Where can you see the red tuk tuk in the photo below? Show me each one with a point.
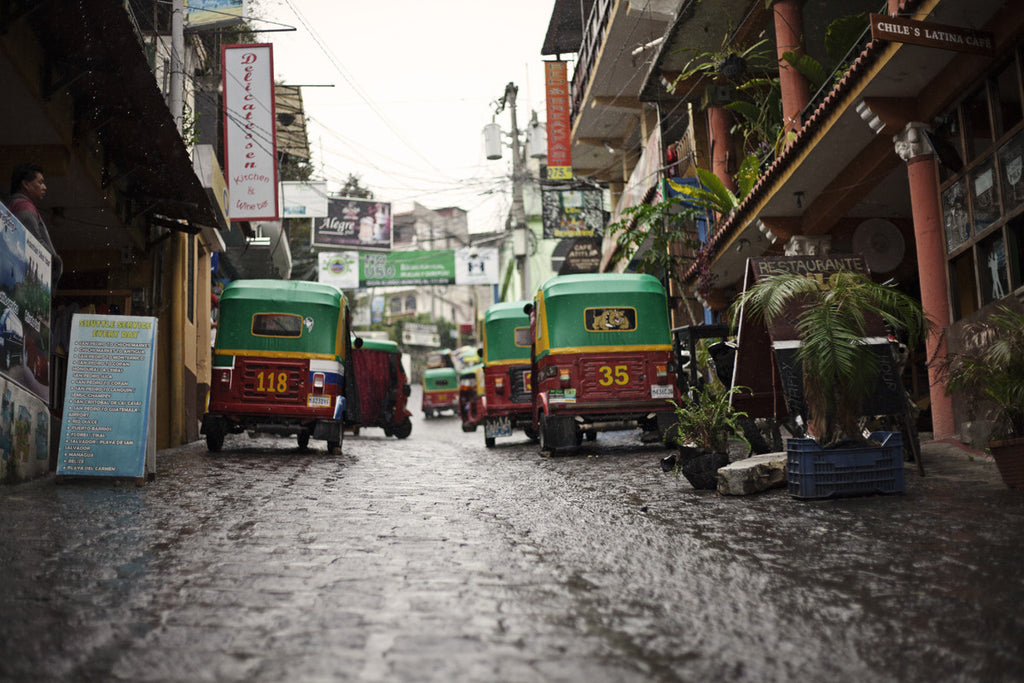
(381, 389)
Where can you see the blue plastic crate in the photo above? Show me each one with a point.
(813, 472)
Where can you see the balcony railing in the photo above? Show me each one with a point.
(593, 36)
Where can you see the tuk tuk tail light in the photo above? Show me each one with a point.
(662, 371)
(224, 376)
(563, 375)
(499, 384)
(318, 381)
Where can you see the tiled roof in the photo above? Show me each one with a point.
(739, 216)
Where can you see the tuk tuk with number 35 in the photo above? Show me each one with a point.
(507, 402)
(279, 362)
(602, 358)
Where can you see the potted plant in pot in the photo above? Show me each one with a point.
(994, 373)
(834, 316)
(704, 423)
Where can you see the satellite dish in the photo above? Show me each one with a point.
(880, 243)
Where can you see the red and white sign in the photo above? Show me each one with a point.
(250, 137)
(559, 127)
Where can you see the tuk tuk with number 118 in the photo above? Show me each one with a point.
(279, 362)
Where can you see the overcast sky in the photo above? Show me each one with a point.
(415, 81)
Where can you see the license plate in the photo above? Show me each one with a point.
(501, 426)
(661, 391)
(317, 401)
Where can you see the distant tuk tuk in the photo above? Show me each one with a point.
(440, 384)
(602, 358)
(279, 362)
(507, 401)
(470, 369)
(381, 389)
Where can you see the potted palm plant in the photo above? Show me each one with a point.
(834, 316)
(992, 373)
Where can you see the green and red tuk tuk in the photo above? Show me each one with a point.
(440, 384)
(602, 358)
(507, 401)
(279, 362)
(381, 389)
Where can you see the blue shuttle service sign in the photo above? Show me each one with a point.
(108, 422)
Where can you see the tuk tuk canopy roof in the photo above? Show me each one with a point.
(380, 345)
(607, 310)
(321, 308)
(499, 337)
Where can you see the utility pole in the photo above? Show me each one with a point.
(177, 64)
(520, 231)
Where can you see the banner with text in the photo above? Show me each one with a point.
(354, 223)
(303, 199)
(559, 126)
(250, 136)
(572, 213)
(356, 270)
(108, 425)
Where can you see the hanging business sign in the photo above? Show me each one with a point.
(477, 266)
(250, 136)
(109, 421)
(559, 126)
(942, 36)
(572, 213)
(580, 255)
(354, 224)
(303, 199)
(203, 14)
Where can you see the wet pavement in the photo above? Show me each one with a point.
(436, 559)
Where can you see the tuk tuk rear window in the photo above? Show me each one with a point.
(612, 319)
(522, 337)
(277, 325)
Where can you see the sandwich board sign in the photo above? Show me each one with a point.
(109, 423)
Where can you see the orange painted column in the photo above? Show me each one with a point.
(719, 123)
(789, 37)
(926, 204)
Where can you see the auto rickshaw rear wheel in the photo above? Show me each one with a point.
(489, 441)
(333, 448)
(303, 440)
(403, 429)
(215, 432)
(545, 437)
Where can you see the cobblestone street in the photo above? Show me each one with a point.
(436, 559)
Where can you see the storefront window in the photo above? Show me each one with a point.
(955, 216)
(1007, 98)
(1015, 251)
(1011, 171)
(984, 196)
(992, 269)
(410, 303)
(963, 286)
(977, 124)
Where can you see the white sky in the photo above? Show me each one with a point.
(415, 81)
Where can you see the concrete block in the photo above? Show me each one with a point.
(752, 475)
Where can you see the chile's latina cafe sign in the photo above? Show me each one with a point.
(958, 38)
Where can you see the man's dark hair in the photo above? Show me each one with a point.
(23, 172)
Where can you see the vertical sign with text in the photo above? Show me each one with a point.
(108, 425)
(250, 136)
(559, 127)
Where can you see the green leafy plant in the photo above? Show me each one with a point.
(994, 372)
(660, 233)
(832, 318)
(706, 419)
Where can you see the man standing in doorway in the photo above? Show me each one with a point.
(28, 188)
